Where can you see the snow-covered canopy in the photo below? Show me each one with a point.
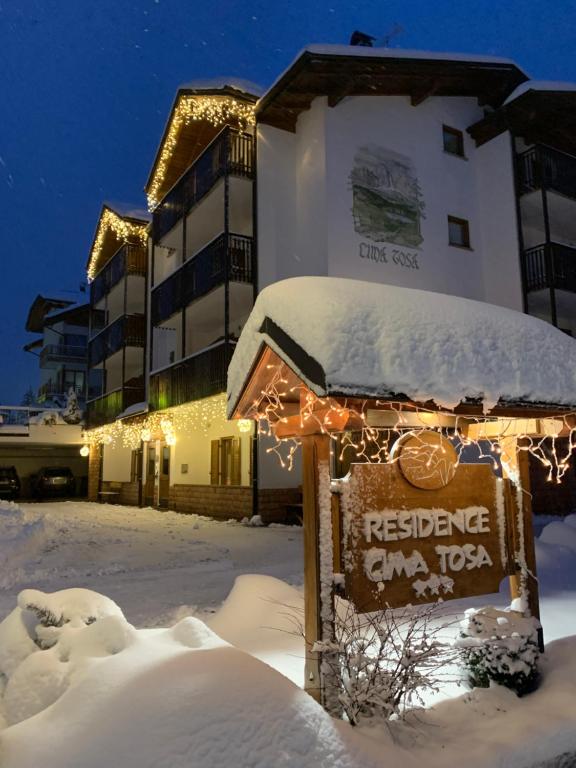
(353, 338)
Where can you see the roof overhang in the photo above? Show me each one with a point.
(113, 230)
(196, 118)
(354, 71)
(547, 117)
(41, 306)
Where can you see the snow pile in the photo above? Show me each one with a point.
(172, 697)
(380, 340)
(561, 533)
(48, 641)
(556, 554)
(264, 616)
(22, 536)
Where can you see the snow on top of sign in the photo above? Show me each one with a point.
(213, 83)
(379, 340)
(540, 85)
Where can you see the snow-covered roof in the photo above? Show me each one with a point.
(360, 51)
(403, 53)
(348, 337)
(551, 86)
(128, 211)
(217, 83)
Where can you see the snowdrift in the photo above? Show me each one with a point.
(22, 538)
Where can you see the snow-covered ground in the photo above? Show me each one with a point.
(157, 566)
(184, 693)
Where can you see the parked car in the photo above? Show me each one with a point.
(54, 481)
(9, 483)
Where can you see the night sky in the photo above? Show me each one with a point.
(87, 86)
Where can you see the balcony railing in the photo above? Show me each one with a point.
(108, 407)
(226, 257)
(54, 388)
(195, 377)
(542, 167)
(63, 353)
(17, 419)
(550, 266)
(126, 331)
(128, 260)
(231, 153)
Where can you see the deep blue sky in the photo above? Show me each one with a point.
(86, 87)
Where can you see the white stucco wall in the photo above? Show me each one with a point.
(116, 463)
(305, 198)
(192, 449)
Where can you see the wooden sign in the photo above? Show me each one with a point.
(404, 544)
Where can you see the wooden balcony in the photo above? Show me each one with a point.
(550, 266)
(544, 168)
(128, 260)
(193, 378)
(231, 153)
(226, 258)
(126, 331)
(108, 407)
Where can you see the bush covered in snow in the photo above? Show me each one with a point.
(500, 646)
(50, 640)
(380, 664)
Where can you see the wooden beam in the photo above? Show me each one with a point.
(421, 94)
(345, 88)
(315, 450)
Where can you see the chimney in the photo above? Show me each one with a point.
(360, 38)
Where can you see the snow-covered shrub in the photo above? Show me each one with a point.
(380, 664)
(500, 646)
(49, 640)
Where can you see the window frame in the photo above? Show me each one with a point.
(465, 228)
(459, 135)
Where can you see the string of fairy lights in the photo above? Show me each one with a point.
(495, 439)
(193, 417)
(123, 229)
(217, 110)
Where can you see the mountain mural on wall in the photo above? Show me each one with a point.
(387, 201)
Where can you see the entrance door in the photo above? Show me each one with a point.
(164, 476)
(150, 483)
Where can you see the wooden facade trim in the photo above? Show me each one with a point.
(337, 76)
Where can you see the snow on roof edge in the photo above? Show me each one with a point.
(126, 210)
(540, 85)
(393, 53)
(213, 83)
(424, 346)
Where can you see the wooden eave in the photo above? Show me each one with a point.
(192, 139)
(540, 117)
(294, 388)
(336, 77)
(112, 242)
(41, 306)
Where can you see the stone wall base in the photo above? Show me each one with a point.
(234, 502)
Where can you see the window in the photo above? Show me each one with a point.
(458, 232)
(225, 467)
(453, 141)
